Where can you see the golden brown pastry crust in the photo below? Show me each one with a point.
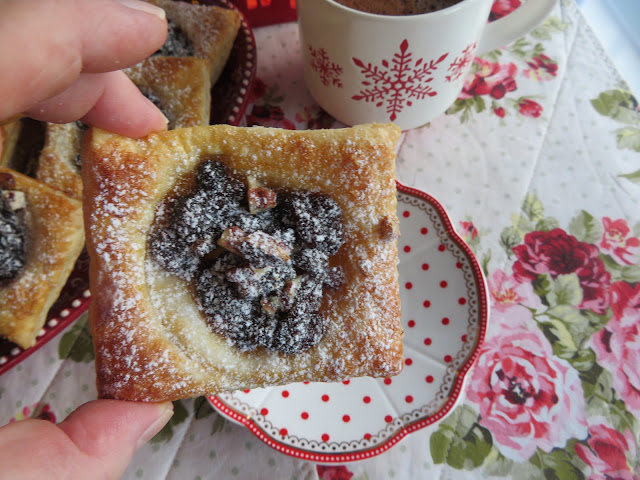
(182, 84)
(151, 341)
(56, 165)
(212, 30)
(8, 137)
(55, 238)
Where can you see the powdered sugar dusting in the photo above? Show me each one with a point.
(162, 308)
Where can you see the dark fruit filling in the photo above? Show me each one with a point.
(177, 43)
(258, 258)
(12, 236)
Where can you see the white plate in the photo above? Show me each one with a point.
(444, 315)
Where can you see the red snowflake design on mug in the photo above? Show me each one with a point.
(398, 81)
(329, 71)
(462, 63)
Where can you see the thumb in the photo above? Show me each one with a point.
(110, 431)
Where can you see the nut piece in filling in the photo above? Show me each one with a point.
(259, 258)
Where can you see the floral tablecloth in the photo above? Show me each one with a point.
(538, 165)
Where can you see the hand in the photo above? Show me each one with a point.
(60, 62)
(98, 440)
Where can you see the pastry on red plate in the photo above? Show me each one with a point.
(41, 234)
(202, 31)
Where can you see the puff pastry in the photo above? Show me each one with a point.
(152, 340)
(55, 238)
(59, 161)
(212, 30)
(180, 87)
(8, 138)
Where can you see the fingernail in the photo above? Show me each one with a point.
(145, 7)
(164, 416)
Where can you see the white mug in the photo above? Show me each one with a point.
(362, 67)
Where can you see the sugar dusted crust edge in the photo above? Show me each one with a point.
(55, 241)
(181, 83)
(212, 30)
(55, 164)
(145, 353)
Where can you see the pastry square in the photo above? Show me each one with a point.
(59, 161)
(230, 258)
(42, 234)
(203, 31)
(179, 86)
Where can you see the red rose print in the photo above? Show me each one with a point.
(527, 397)
(501, 8)
(529, 108)
(606, 452)
(45, 413)
(542, 68)
(469, 231)
(617, 345)
(314, 117)
(269, 116)
(507, 292)
(37, 410)
(499, 111)
(557, 253)
(617, 241)
(624, 297)
(491, 78)
(340, 472)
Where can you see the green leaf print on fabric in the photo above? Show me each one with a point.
(202, 408)
(621, 106)
(559, 464)
(549, 27)
(77, 343)
(180, 414)
(628, 138)
(586, 228)
(633, 176)
(460, 441)
(219, 423)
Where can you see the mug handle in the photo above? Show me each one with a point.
(514, 25)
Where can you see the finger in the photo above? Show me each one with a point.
(50, 453)
(97, 440)
(106, 100)
(110, 431)
(52, 41)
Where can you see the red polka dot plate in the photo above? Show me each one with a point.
(444, 315)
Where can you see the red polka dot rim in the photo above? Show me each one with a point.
(445, 314)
